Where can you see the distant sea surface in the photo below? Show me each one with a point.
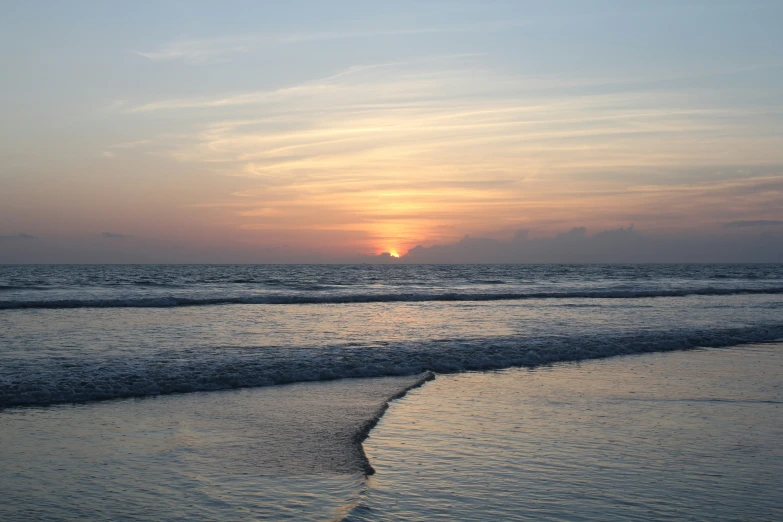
(73, 333)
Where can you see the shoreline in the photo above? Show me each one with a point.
(269, 451)
(364, 431)
(255, 440)
(658, 436)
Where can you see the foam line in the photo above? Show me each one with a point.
(106, 378)
(364, 431)
(277, 299)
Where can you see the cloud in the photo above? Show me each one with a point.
(754, 223)
(196, 51)
(353, 86)
(404, 152)
(112, 235)
(202, 50)
(574, 233)
(374, 33)
(16, 237)
(621, 245)
(130, 144)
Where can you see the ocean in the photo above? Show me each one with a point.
(268, 378)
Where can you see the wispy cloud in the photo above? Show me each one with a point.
(346, 83)
(197, 51)
(127, 145)
(130, 144)
(202, 50)
(341, 35)
(414, 151)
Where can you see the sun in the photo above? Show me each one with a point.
(394, 253)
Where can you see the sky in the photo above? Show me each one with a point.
(458, 131)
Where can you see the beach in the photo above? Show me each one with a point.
(240, 392)
(642, 437)
(676, 436)
(286, 452)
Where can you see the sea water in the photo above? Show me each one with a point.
(281, 452)
(670, 436)
(74, 336)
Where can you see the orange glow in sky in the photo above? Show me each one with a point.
(347, 141)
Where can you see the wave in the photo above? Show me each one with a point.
(23, 287)
(72, 380)
(277, 283)
(152, 284)
(278, 299)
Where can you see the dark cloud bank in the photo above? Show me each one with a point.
(751, 224)
(623, 245)
(16, 237)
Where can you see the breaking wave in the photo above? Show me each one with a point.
(117, 377)
(170, 301)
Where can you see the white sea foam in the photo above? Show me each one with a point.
(90, 379)
(170, 301)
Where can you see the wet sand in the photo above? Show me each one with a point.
(665, 436)
(283, 452)
(670, 436)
